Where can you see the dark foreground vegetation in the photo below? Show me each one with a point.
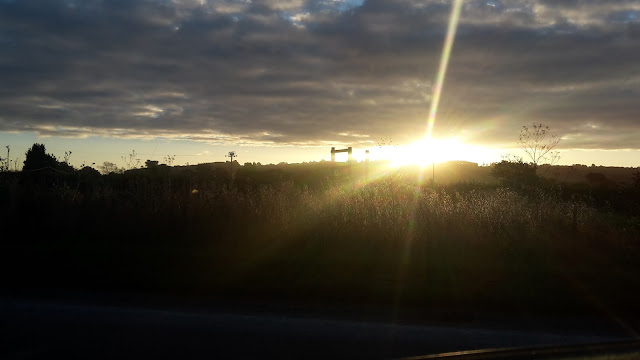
(318, 233)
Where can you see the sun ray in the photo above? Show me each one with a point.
(427, 143)
(444, 63)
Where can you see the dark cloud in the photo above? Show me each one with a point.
(310, 72)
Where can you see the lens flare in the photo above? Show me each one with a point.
(444, 62)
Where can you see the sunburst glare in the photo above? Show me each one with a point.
(425, 152)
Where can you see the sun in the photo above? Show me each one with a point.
(436, 150)
(426, 152)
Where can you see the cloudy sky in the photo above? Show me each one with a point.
(284, 80)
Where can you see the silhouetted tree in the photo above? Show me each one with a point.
(109, 167)
(231, 155)
(37, 158)
(538, 143)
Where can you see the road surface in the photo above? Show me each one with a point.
(45, 330)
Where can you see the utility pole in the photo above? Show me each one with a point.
(366, 166)
(8, 162)
(433, 173)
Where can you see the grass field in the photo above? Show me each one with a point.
(340, 238)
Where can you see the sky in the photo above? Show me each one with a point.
(287, 80)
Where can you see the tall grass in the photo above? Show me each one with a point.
(392, 239)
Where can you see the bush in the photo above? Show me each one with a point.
(515, 173)
(37, 158)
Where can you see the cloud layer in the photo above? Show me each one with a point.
(313, 72)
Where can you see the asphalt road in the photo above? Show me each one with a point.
(47, 330)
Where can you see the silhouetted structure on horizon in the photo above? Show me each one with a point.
(348, 150)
